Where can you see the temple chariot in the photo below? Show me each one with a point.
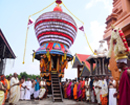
(55, 32)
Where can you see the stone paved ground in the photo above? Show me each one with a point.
(49, 102)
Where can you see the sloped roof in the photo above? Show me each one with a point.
(82, 58)
(85, 72)
(8, 52)
(79, 58)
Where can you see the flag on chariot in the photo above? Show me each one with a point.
(81, 27)
(30, 22)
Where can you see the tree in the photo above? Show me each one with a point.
(25, 75)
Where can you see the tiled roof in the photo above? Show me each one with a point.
(82, 58)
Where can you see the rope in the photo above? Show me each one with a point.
(28, 28)
(25, 43)
(89, 44)
(72, 14)
(42, 9)
(83, 24)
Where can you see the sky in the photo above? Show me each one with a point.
(13, 23)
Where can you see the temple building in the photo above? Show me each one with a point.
(5, 52)
(120, 17)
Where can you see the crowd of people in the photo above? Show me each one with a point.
(12, 89)
(99, 90)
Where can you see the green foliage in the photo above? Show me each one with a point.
(25, 75)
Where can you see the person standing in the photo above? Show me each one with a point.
(124, 85)
(72, 86)
(107, 80)
(32, 88)
(104, 91)
(42, 89)
(9, 78)
(91, 90)
(69, 89)
(75, 90)
(14, 90)
(83, 89)
(4, 82)
(2, 90)
(65, 88)
(22, 89)
(79, 90)
(37, 88)
(87, 89)
(28, 85)
(112, 90)
(97, 89)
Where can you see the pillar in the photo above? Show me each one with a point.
(91, 68)
(100, 66)
(3, 60)
(1, 66)
(103, 67)
(107, 67)
(96, 72)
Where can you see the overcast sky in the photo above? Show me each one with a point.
(13, 22)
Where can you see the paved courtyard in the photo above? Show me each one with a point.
(49, 102)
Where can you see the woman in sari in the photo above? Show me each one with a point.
(65, 88)
(79, 90)
(42, 89)
(3, 81)
(75, 90)
(72, 86)
(2, 90)
(83, 89)
(69, 90)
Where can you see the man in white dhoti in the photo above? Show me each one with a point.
(33, 86)
(97, 89)
(22, 89)
(87, 91)
(112, 90)
(14, 90)
(28, 90)
(42, 89)
(104, 91)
